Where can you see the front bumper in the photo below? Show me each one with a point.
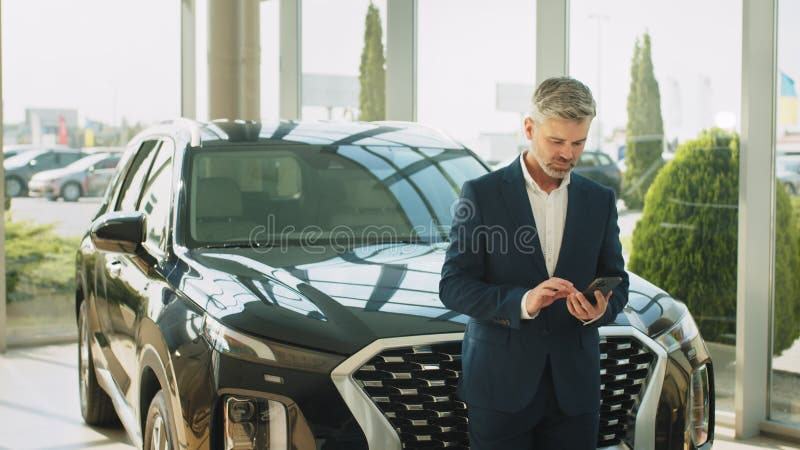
(42, 189)
(381, 434)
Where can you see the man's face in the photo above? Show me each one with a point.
(557, 143)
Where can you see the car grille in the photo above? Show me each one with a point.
(415, 388)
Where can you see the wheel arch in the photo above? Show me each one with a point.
(156, 373)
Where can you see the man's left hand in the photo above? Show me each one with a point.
(579, 307)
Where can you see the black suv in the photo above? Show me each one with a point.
(252, 286)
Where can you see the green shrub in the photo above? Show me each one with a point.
(687, 239)
(36, 255)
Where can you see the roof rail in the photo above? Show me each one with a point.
(193, 127)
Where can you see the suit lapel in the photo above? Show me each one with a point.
(517, 202)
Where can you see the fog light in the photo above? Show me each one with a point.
(697, 406)
(255, 424)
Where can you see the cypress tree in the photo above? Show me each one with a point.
(372, 71)
(645, 128)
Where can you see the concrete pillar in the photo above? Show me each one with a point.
(188, 60)
(234, 59)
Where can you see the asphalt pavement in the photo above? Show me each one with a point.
(71, 218)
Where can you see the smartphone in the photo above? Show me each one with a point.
(602, 284)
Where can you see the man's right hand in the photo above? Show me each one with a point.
(546, 293)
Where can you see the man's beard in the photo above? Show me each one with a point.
(551, 172)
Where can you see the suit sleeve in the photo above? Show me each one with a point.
(463, 287)
(611, 264)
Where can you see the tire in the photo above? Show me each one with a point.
(71, 192)
(15, 187)
(96, 406)
(158, 433)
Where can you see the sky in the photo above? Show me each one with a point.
(112, 58)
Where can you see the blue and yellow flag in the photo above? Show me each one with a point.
(787, 101)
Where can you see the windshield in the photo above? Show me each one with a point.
(263, 195)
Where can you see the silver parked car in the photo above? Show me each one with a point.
(72, 182)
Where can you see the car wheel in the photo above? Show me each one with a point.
(71, 192)
(96, 406)
(14, 187)
(158, 431)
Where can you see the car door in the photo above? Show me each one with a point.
(115, 289)
(136, 280)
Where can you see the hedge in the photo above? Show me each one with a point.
(686, 241)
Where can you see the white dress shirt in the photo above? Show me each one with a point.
(550, 214)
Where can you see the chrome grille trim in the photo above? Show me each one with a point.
(381, 435)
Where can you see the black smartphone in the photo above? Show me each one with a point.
(602, 284)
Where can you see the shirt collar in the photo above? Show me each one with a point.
(530, 182)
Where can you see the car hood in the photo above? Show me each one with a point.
(341, 301)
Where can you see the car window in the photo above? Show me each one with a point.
(605, 160)
(132, 186)
(587, 159)
(155, 202)
(345, 193)
(65, 159)
(45, 161)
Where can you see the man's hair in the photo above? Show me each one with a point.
(564, 98)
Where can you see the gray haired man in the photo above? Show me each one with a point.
(531, 358)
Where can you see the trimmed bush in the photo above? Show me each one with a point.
(686, 241)
(37, 256)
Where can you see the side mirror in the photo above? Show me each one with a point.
(32, 163)
(90, 169)
(121, 232)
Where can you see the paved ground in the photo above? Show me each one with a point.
(39, 407)
(72, 219)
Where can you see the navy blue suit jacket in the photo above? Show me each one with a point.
(494, 258)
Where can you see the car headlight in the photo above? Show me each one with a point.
(239, 345)
(254, 424)
(680, 334)
(698, 408)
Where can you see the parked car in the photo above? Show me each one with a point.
(597, 166)
(250, 285)
(19, 169)
(787, 170)
(72, 182)
(16, 149)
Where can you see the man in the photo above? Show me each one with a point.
(531, 358)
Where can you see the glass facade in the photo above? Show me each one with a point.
(668, 116)
(334, 38)
(90, 77)
(785, 375)
(476, 88)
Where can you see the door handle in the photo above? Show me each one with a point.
(114, 267)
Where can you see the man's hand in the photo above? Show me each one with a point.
(546, 293)
(579, 307)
